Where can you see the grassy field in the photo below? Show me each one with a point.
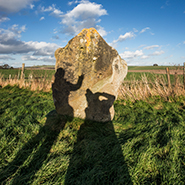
(39, 73)
(129, 67)
(144, 144)
(137, 76)
(153, 67)
(136, 85)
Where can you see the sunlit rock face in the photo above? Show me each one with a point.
(88, 75)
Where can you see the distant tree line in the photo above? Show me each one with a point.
(6, 66)
(155, 65)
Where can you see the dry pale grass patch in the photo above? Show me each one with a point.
(33, 83)
(134, 90)
(137, 90)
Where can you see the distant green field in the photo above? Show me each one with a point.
(130, 75)
(151, 67)
(35, 73)
(42, 66)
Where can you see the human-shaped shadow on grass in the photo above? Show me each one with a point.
(41, 143)
(97, 156)
(61, 91)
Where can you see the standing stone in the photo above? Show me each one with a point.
(88, 75)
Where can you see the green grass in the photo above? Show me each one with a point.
(138, 76)
(40, 73)
(152, 67)
(35, 73)
(151, 77)
(49, 73)
(144, 144)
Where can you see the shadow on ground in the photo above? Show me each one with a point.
(44, 140)
(97, 157)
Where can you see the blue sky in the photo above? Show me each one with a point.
(143, 32)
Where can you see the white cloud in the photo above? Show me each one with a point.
(156, 53)
(57, 13)
(151, 47)
(10, 43)
(6, 57)
(74, 2)
(49, 9)
(127, 35)
(42, 18)
(85, 10)
(32, 6)
(10, 6)
(28, 57)
(101, 30)
(84, 15)
(141, 46)
(70, 3)
(144, 57)
(43, 48)
(4, 19)
(144, 29)
(23, 28)
(131, 54)
(12, 33)
(55, 31)
(54, 11)
(34, 58)
(184, 42)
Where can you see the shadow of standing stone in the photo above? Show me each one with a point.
(97, 157)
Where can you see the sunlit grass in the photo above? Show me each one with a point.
(143, 86)
(144, 144)
(155, 67)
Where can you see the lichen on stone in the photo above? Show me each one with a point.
(88, 54)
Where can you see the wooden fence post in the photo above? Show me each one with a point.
(168, 77)
(22, 72)
(176, 80)
(184, 75)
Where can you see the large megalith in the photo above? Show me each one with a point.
(88, 75)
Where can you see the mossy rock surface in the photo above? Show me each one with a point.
(87, 62)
